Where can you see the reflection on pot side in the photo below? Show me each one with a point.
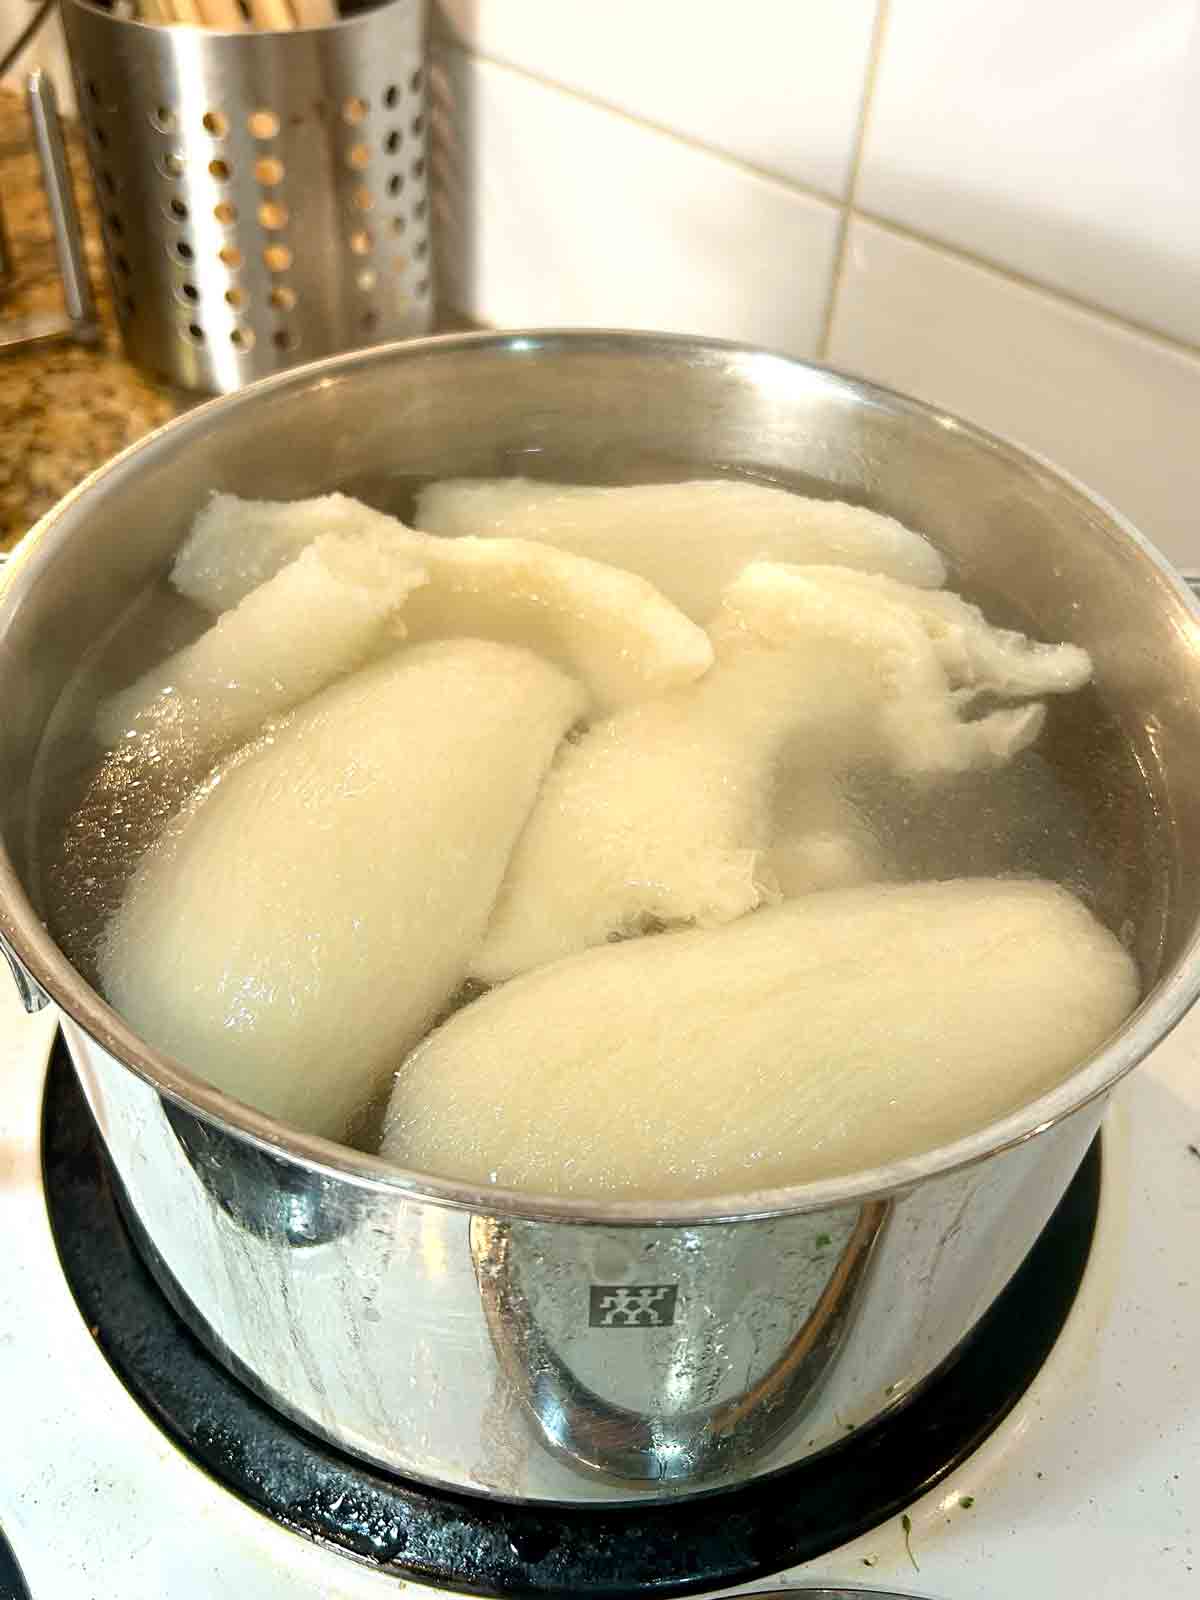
(671, 1381)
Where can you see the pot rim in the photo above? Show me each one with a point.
(1163, 1007)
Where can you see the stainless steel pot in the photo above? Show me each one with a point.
(568, 1351)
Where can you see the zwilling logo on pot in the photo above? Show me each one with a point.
(633, 1305)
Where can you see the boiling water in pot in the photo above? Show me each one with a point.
(1074, 810)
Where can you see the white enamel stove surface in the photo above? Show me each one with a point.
(1091, 1487)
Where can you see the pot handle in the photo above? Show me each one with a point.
(33, 996)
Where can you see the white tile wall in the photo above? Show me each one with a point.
(779, 86)
(563, 212)
(1060, 137)
(1117, 408)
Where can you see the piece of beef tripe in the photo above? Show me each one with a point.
(834, 1033)
(297, 928)
(688, 539)
(611, 629)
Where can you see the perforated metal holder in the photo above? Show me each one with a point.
(264, 195)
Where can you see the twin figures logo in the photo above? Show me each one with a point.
(632, 1305)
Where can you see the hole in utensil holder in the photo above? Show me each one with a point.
(262, 124)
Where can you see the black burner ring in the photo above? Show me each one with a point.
(12, 1584)
(489, 1548)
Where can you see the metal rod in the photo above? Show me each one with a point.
(6, 266)
(64, 216)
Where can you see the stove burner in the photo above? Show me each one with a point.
(486, 1547)
(12, 1584)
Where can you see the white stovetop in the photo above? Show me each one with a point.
(1091, 1487)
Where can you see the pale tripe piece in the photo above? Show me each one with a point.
(688, 539)
(319, 617)
(927, 658)
(660, 814)
(237, 544)
(293, 933)
(977, 654)
(610, 628)
(835, 1033)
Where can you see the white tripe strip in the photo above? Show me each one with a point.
(610, 628)
(237, 544)
(929, 654)
(297, 929)
(660, 814)
(975, 652)
(688, 539)
(316, 619)
(814, 1039)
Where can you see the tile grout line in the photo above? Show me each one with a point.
(841, 249)
(847, 208)
(1117, 319)
(806, 191)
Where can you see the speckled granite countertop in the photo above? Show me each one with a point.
(63, 408)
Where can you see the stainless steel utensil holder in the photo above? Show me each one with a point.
(264, 195)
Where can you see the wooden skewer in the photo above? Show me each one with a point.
(223, 14)
(273, 15)
(315, 13)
